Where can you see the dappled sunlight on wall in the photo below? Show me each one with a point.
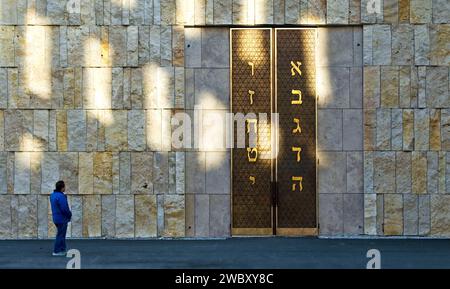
(158, 86)
(38, 61)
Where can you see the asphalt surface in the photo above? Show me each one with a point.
(234, 253)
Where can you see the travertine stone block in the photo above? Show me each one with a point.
(421, 45)
(370, 129)
(136, 130)
(167, 12)
(368, 172)
(27, 216)
(118, 42)
(145, 216)
(116, 131)
(331, 178)
(10, 172)
(132, 46)
(18, 127)
(178, 46)
(437, 91)
(419, 172)
(355, 170)
(141, 173)
(371, 86)
(384, 173)
(384, 129)
(161, 172)
(5, 217)
(337, 11)
(441, 10)
(442, 172)
(14, 217)
(125, 216)
(421, 11)
(22, 173)
(335, 47)
(410, 215)
(92, 125)
(391, 11)
(7, 45)
(195, 173)
(179, 87)
(389, 87)
(408, 129)
(50, 172)
(190, 215)
(76, 206)
(3, 174)
(330, 129)
(445, 129)
(4, 92)
(215, 48)
(440, 221)
(292, 12)
(166, 46)
(368, 44)
(223, 12)
(193, 51)
(397, 129)
(108, 216)
(41, 123)
(381, 45)
(424, 215)
(76, 130)
(403, 172)
(86, 173)
(403, 44)
(35, 172)
(370, 214)
(333, 87)
(219, 215)
(68, 171)
(405, 87)
(435, 129)
(317, 11)
(421, 129)
(439, 42)
(92, 216)
(380, 214)
(432, 172)
(102, 171)
(174, 216)
(264, 12)
(393, 214)
(403, 11)
(42, 217)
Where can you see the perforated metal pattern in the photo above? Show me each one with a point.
(296, 209)
(251, 202)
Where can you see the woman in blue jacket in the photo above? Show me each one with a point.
(61, 216)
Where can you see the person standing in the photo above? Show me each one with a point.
(61, 217)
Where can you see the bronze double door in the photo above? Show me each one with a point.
(274, 178)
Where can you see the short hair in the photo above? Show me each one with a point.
(59, 186)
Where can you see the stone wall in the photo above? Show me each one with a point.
(87, 96)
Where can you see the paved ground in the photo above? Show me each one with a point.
(237, 253)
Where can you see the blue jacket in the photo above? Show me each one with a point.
(60, 208)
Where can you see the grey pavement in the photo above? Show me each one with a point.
(233, 253)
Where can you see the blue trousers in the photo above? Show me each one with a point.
(60, 241)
